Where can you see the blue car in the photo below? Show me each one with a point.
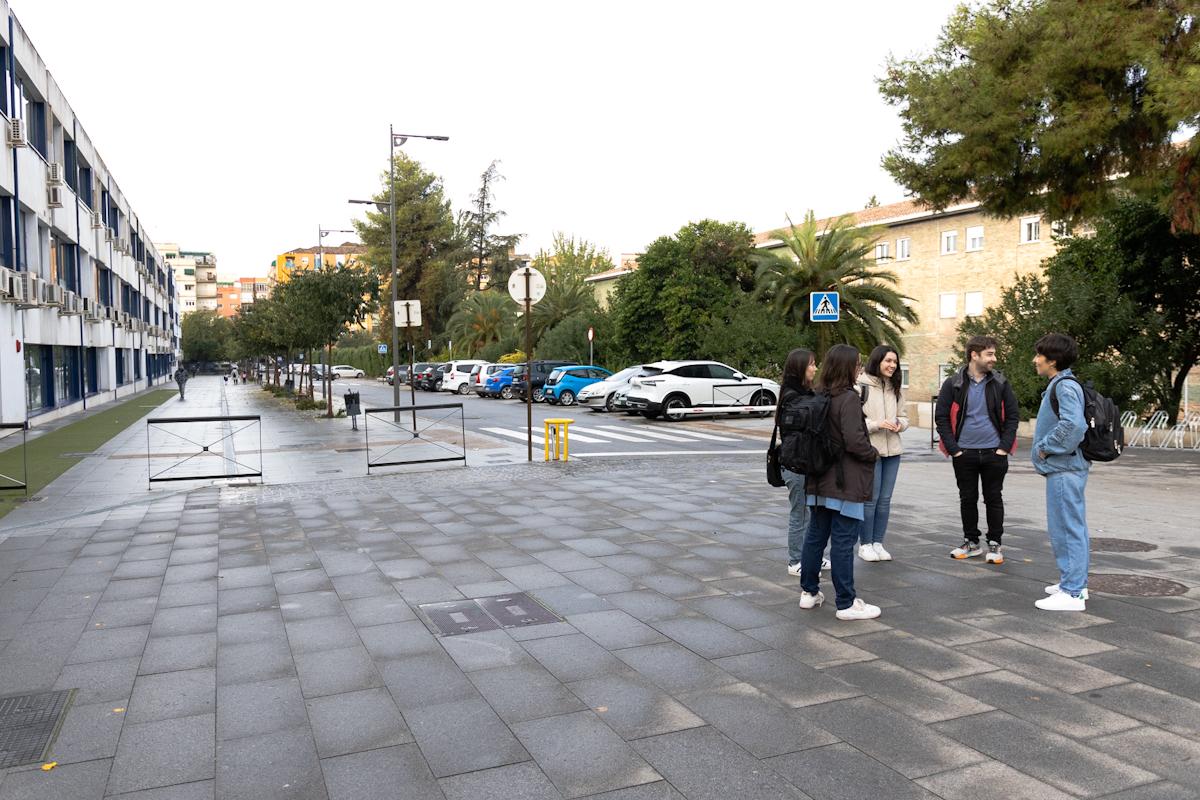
(564, 383)
(499, 384)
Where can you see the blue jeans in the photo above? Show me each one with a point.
(826, 525)
(879, 507)
(797, 516)
(1066, 521)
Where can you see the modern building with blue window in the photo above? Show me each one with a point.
(89, 311)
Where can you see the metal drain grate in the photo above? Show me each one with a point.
(487, 614)
(1135, 585)
(1106, 545)
(28, 724)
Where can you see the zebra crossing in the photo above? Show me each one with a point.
(598, 439)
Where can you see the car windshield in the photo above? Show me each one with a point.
(556, 374)
(624, 375)
(649, 371)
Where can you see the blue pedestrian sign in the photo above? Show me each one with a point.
(383, 349)
(824, 307)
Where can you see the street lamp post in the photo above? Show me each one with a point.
(396, 140)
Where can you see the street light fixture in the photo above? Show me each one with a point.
(396, 140)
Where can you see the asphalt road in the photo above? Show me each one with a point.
(592, 435)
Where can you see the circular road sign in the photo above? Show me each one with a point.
(591, 334)
(537, 285)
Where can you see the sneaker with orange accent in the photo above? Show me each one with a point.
(967, 549)
(994, 556)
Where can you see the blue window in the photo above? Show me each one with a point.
(120, 366)
(85, 184)
(36, 119)
(7, 252)
(71, 164)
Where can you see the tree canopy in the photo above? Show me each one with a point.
(1056, 107)
(205, 336)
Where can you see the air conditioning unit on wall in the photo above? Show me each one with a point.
(6, 282)
(31, 289)
(97, 222)
(54, 295)
(54, 196)
(16, 133)
(54, 173)
(71, 303)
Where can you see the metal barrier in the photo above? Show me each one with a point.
(1185, 434)
(8, 482)
(420, 439)
(228, 439)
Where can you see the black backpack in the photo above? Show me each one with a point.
(1104, 438)
(807, 447)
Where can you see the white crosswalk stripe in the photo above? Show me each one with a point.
(702, 435)
(610, 433)
(666, 437)
(537, 437)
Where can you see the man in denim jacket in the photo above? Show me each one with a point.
(1057, 457)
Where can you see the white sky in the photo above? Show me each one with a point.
(241, 127)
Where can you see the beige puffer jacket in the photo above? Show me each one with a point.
(881, 404)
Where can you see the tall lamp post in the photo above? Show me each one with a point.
(396, 140)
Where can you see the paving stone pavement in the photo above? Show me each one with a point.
(263, 642)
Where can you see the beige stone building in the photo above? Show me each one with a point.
(953, 264)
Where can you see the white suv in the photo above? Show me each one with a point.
(457, 377)
(669, 387)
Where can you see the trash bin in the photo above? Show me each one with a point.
(289, 384)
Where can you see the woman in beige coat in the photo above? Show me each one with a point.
(884, 408)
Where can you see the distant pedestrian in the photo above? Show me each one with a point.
(181, 379)
(798, 372)
(1057, 456)
(887, 417)
(976, 418)
(836, 497)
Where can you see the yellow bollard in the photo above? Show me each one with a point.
(558, 428)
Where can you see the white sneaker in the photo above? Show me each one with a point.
(1061, 601)
(884, 555)
(859, 610)
(811, 600)
(794, 569)
(867, 553)
(1053, 589)
(825, 565)
(967, 549)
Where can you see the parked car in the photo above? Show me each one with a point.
(424, 378)
(457, 377)
(480, 374)
(602, 396)
(565, 383)
(347, 371)
(434, 382)
(318, 371)
(499, 384)
(671, 386)
(541, 371)
(405, 375)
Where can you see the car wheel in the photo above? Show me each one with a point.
(360, 374)
(539, 395)
(762, 398)
(506, 393)
(464, 389)
(673, 407)
(567, 398)
(608, 403)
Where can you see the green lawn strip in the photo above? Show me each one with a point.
(48, 457)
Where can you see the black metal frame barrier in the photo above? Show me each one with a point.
(254, 419)
(24, 483)
(415, 433)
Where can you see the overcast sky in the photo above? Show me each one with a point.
(242, 127)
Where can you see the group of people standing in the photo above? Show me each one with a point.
(847, 507)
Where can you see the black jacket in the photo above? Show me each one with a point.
(952, 410)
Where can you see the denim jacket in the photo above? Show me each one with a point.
(1059, 436)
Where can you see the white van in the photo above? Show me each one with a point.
(457, 377)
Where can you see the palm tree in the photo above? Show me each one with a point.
(838, 257)
(482, 318)
(564, 298)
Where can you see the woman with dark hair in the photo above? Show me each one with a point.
(837, 496)
(887, 417)
(798, 372)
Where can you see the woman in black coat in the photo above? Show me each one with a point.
(837, 496)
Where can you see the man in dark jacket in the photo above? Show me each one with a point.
(977, 418)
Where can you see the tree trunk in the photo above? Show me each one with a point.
(328, 382)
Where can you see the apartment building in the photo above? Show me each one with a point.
(229, 298)
(87, 303)
(253, 289)
(953, 264)
(195, 274)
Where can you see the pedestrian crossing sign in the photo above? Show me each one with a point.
(824, 307)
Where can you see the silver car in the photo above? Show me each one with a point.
(607, 394)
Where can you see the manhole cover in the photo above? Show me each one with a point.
(1135, 585)
(487, 614)
(28, 723)
(1105, 545)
